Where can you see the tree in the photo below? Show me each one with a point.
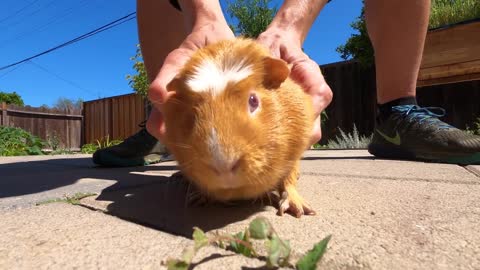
(11, 98)
(139, 81)
(64, 103)
(252, 16)
(358, 46)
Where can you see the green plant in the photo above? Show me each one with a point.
(18, 142)
(349, 141)
(105, 142)
(11, 98)
(53, 141)
(253, 16)
(139, 81)
(475, 130)
(74, 199)
(278, 250)
(445, 12)
(89, 148)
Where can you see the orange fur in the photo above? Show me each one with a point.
(268, 144)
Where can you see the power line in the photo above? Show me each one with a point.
(41, 28)
(105, 27)
(18, 11)
(60, 78)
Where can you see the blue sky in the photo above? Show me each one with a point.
(96, 67)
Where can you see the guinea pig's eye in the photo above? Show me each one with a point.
(253, 102)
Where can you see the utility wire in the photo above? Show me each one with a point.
(60, 78)
(18, 11)
(105, 27)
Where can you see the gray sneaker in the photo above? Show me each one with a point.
(137, 150)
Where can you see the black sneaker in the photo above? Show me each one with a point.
(138, 150)
(415, 133)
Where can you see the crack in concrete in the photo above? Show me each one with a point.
(392, 178)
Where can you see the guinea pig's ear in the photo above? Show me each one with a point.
(276, 72)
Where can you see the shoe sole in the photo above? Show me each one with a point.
(396, 152)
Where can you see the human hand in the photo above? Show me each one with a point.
(200, 36)
(286, 45)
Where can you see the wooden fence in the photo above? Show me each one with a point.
(354, 99)
(46, 123)
(116, 117)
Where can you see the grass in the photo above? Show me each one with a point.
(346, 141)
(74, 199)
(445, 12)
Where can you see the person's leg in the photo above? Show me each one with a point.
(397, 29)
(167, 24)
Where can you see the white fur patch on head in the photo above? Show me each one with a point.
(212, 76)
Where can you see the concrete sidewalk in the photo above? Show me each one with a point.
(382, 214)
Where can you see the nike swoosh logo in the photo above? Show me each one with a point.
(395, 140)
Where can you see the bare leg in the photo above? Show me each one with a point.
(397, 29)
(161, 30)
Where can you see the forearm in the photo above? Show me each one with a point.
(297, 16)
(198, 13)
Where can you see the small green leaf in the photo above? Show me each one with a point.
(278, 252)
(177, 265)
(199, 238)
(312, 257)
(240, 248)
(188, 254)
(260, 228)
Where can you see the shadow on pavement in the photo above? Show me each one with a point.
(161, 206)
(23, 178)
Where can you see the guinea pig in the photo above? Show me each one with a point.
(238, 125)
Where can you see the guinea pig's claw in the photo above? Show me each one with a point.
(194, 198)
(295, 206)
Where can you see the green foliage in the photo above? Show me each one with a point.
(309, 261)
(11, 98)
(349, 141)
(64, 103)
(90, 148)
(53, 141)
(252, 16)
(445, 12)
(139, 81)
(18, 142)
(278, 250)
(358, 46)
(475, 129)
(74, 199)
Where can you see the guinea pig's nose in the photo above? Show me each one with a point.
(226, 166)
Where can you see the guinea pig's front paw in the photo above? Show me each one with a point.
(195, 198)
(293, 203)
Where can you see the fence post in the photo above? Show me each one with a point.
(5, 121)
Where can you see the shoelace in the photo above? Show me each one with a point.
(423, 114)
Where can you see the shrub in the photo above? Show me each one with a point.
(349, 141)
(445, 12)
(475, 129)
(90, 148)
(18, 142)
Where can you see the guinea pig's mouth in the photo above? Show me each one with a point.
(228, 181)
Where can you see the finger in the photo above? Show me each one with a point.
(307, 73)
(156, 124)
(158, 92)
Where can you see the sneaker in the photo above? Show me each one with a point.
(415, 133)
(137, 150)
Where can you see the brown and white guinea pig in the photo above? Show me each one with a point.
(238, 125)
